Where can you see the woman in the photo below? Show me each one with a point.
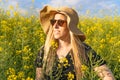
(64, 53)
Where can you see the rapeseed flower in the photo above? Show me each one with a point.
(84, 68)
(54, 45)
(1, 49)
(70, 76)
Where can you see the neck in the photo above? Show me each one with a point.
(63, 48)
(64, 42)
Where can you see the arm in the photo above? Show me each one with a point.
(38, 64)
(39, 75)
(104, 72)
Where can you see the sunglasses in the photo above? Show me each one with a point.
(59, 22)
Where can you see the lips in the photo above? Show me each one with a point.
(56, 31)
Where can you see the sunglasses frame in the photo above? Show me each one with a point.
(59, 22)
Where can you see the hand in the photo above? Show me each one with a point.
(104, 72)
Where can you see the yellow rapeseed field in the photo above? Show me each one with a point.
(21, 37)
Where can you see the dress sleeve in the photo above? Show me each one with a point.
(93, 59)
(39, 58)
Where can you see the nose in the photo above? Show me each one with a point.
(56, 26)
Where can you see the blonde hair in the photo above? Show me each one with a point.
(77, 53)
(48, 58)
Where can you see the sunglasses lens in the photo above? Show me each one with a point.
(59, 22)
(53, 21)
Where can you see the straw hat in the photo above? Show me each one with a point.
(47, 13)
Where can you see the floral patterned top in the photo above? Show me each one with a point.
(64, 68)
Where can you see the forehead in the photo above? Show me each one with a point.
(60, 16)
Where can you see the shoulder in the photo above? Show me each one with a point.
(39, 58)
(89, 51)
(87, 47)
(92, 56)
(41, 50)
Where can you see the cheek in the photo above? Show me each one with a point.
(65, 31)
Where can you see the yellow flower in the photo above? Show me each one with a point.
(117, 43)
(20, 74)
(102, 40)
(18, 52)
(54, 44)
(15, 62)
(26, 49)
(10, 43)
(26, 67)
(1, 49)
(11, 71)
(59, 66)
(102, 46)
(11, 7)
(15, 13)
(3, 22)
(12, 77)
(26, 58)
(70, 76)
(112, 39)
(64, 61)
(8, 13)
(2, 37)
(119, 59)
(84, 68)
(18, 40)
(28, 78)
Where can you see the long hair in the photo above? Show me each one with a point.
(49, 52)
(78, 53)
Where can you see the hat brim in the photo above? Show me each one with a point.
(47, 13)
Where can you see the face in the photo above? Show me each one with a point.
(60, 29)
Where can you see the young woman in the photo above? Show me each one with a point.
(64, 52)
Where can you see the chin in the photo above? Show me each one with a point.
(56, 37)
